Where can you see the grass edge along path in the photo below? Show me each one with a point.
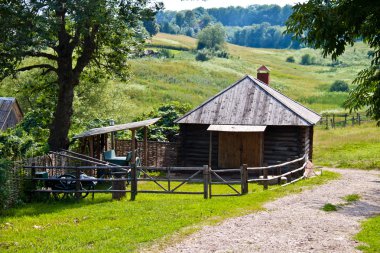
(124, 226)
(369, 235)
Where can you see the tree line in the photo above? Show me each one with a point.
(254, 26)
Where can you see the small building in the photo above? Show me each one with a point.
(247, 123)
(10, 113)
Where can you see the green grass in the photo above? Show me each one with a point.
(351, 198)
(154, 81)
(349, 147)
(113, 226)
(329, 207)
(370, 235)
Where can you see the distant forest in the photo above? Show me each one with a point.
(255, 26)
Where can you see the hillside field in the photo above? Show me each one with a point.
(155, 81)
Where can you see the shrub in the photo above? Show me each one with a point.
(307, 59)
(203, 55)
(4, 190)
(222, 54)
(290, 59)
(165, 53)
(339, 86)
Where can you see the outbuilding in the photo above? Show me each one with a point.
(247, 123)
(10, 113)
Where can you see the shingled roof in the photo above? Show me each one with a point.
(10, 113)
(250, 102)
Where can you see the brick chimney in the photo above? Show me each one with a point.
(263, 74)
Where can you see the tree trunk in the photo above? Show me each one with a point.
(62, 117)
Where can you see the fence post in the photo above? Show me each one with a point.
(265, 172)
(244, 179)
(206, 176)
(333, 121)
(353, 120)
(77, 183)
(327, 121)
(133, 181)
(359, 119)
(345, 119)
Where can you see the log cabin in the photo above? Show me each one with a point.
(249, 123)
(10, 113)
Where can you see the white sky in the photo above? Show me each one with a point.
(191, 4)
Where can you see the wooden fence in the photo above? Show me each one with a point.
(65, 170)
(333, 120)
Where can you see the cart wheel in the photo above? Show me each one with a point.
(66, 184)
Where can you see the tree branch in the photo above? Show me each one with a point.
(41, 54)
(38, 66)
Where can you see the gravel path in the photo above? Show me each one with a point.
(295, 223)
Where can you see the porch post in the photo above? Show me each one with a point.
(210, 151)
(133, 167)
(146, 145)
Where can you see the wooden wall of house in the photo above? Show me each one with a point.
(12, 120)
(286, 142)
(193, 147)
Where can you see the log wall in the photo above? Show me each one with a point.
(194, 142)
(161, 154)
(285, 142)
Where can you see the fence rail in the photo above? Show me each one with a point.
(169, 180)
(333, 120)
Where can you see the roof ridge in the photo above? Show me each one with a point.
(212, 98)
(262, 85)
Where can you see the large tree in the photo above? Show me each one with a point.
(332, 25)
(66, 37)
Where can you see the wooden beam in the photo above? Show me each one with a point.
(210, 151)
(146, 146)
(133, 167)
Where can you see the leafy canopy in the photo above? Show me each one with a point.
(71, 36)
(332, 25)
(43, 28)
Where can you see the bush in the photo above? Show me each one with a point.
(339, 86)
(307, 59)
(4, 190)
(203, 55)
(165, 53)
(222, 54)
(290, 59)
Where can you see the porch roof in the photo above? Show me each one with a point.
(110, 129)
(236, 128)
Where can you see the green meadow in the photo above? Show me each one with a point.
(103, 225)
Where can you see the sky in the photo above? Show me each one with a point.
(191, 4)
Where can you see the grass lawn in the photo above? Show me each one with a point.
(123, 226)
(349, 147)
(370, 235)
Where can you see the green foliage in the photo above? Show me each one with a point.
(331, 26)
(165, 129)
(307, 59)
(290, 59)
(131, 226)
(203, 55)
(5, 165)
(263, 36)
(329, 207)
(369, 235)
(339, 85)
(351, 197)
(212, 37)
(70, 37)
(165, 53)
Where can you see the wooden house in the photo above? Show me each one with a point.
(10, 113)
(247, 123)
